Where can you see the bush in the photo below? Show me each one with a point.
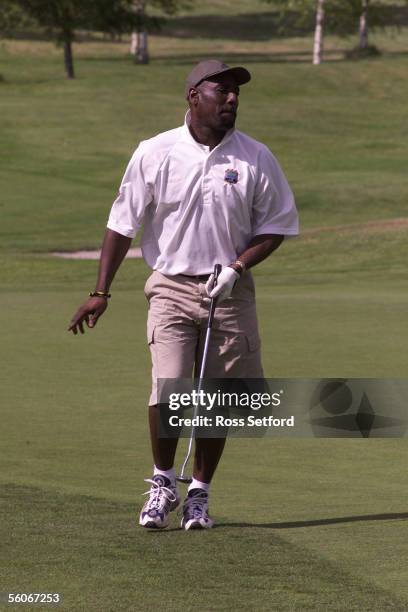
(357, 53)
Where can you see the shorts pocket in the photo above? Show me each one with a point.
(150, 333)
(148, 286)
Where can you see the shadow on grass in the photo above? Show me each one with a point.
(396, 54)
(43, 506)
(389, 516)
(284, 57)
(278, 57)
(189, 59)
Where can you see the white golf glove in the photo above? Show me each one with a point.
(225, 284)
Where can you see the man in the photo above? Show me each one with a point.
(205, 193)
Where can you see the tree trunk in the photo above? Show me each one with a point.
(68, 59)
(142, 51)
(139, 48)
(363, 26)
(138, 41)
(318, 36)
(133, 43)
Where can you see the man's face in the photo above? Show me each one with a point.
(215, 102)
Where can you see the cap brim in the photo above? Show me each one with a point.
(240, 74)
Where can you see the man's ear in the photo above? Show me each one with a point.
(193, 96)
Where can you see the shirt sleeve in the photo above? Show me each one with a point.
(274, 210)
(127, 212)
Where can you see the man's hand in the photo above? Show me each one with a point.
(225, 284)
(114, 248)
(89, 312)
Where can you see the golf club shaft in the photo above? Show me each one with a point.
(213, 303)
(195, 411)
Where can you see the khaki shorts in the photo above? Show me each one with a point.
(176, 326)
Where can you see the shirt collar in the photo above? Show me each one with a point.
(188, 136)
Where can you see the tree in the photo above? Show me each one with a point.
(138, 42)
(318, 36)
(62, 17)
(363, 25)
(300, 14)
(359, 15)
(146, 23)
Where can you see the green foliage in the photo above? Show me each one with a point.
(171, 7)
(343, 15)
(12, 16)
(63, 17)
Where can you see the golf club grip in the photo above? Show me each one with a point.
(217, 270)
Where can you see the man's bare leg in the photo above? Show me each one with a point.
(208, 452)
(163, 449)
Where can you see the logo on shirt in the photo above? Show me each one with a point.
(231, 176)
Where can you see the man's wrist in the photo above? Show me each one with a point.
(238, 266)
(101, 294)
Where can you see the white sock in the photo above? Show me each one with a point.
(197, 484)
(170, 474)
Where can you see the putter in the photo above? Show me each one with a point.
(213, 303)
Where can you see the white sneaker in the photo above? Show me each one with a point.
(163, 499)
(195, 511)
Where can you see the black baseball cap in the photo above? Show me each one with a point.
(211, 68)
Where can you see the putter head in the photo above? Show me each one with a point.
(184, 479)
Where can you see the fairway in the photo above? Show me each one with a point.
(301, 524)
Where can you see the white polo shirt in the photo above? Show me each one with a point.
(200, 207)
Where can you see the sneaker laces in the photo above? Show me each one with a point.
(196, 505)
(159, 495)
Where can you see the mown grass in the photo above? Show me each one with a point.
(303, 524)
(88, 550)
